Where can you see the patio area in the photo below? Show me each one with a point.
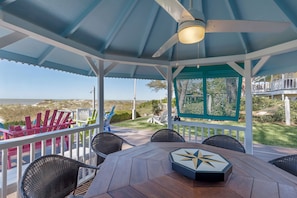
(139, 137)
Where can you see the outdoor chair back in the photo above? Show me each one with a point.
(105, 143)
(107, 119)
(167, 135)
(225, 141)
(287, 163)
(57, 121)
(51, 176)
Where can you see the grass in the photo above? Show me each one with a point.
(272, 134)
(264, 133)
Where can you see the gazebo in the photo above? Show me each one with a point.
(124, 38)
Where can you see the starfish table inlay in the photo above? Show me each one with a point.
(197, 158)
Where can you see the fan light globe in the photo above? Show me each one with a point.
(190, 32)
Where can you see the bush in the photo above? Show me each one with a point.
(122, 116)
(13, 123)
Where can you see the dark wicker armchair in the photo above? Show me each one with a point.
(105, 143)
(51, 176)
(224, 141)
(167, 135)
(287, 163)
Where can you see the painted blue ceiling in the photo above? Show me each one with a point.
(73, 35)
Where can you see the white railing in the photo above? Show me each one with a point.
(197, 132)
(280, 84)
(79, 149)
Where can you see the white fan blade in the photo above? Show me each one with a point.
(175, 9)
(245, 26)
(167, 45)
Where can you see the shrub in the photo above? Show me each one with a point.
(122, 116)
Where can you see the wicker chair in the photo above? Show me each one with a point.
(51, 176)
(167, 135)
(105, 143)
(287, 163)
(224, 141)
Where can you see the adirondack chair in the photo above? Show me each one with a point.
(107, 119)
(57, 121)
(89, 120)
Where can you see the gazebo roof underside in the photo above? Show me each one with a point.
(76, 36)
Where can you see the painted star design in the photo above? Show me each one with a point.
(197, 158)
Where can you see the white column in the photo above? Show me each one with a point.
(169, 96)
(100, 85)
(248, 140)
(287, 111)
(134, 102)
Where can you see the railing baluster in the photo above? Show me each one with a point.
(211, 129)
(196, 134)
(19, 166)
(4, 173)
(62, 146)
(53, 146)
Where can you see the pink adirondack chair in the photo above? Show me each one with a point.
(57, 121)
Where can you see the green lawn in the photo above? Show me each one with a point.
(263, 133)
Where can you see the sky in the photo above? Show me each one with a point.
(22, 81)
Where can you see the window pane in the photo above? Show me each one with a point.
(222, 96)
(190, 96)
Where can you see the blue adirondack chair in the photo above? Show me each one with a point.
(107, 118)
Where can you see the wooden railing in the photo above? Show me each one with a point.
(197, 132)
(79, 149)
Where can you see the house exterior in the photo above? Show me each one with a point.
(276, 86)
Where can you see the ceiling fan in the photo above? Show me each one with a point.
(192, 26)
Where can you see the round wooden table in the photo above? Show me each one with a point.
(145, 171)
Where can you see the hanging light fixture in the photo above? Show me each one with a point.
(190, 32)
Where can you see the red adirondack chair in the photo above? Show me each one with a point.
(57, 121)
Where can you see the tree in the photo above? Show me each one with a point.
(157, 85)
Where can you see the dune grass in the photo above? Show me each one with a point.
(272, 134)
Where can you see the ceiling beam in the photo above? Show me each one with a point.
(148, 29)
(6, 2)
(77, 22)
(236, 67)
(11, 38)
(93, 66)
(46, 53)
(70, 29)
(163, 74)
(109, 68)
(126, 12)
(133, 70)
(287, 12)
(259, 65)
(274, 50)
(233, 11)
(177, 71)
(208, 61)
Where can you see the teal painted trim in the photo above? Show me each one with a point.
(238, 97)
(208, 117)
(205, 114)
(176, 97)
(213, 71)
(204, 96)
